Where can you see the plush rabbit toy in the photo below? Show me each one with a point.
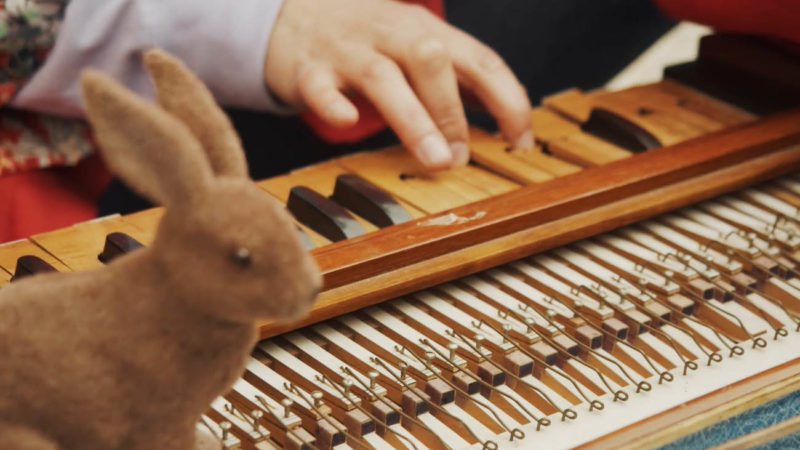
(129, 356)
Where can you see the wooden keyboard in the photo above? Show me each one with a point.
(572, 294)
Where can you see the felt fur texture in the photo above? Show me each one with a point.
(130, 355)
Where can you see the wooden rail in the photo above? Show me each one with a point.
(404, 258)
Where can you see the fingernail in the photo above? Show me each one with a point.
(434, 152)
(525, 141)
(340, 111)
(460, 152)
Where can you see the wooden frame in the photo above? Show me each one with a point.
(411, 256)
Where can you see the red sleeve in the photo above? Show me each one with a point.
(774, 18)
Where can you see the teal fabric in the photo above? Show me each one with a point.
(747, 422)
(786, 442)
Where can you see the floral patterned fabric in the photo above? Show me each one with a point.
(28, 31)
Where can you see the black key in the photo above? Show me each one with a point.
(322, 215)
(305, 241)
(620, 131)
(30, 265)
(117, 244)
(368, 201)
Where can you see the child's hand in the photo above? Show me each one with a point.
(405, 60)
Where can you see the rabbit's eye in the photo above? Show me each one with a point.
(241, 257)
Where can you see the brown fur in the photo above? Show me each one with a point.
(130, 355)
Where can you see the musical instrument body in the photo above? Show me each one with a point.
(622, 284)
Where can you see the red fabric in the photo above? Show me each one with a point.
(41, 200)
(369, 119)
(774, 18)
(369, 123)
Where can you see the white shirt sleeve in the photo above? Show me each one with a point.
(224, 42)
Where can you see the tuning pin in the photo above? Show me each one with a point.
(317, 396)
(347, 383)
(452, 347)
(403, 368)
(256, 414)
(373, 377)
(287, 407)
(225, 426)
(478, 338)
(429, 357)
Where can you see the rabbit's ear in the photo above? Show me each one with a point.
(152, 151)
(183, 95)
